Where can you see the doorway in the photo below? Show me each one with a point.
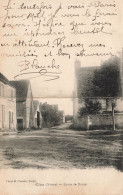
(19, 124)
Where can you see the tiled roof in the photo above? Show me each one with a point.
(21, 89)
(3, 79)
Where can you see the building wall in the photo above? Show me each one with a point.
(63, 118)
(29, 109)
(75, 94)
(35, 118)
(25, 111)
(21, 112)
(8, 105)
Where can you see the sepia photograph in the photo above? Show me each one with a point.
(39, 135)
(61, 97)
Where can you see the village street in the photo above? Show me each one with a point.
(61, 147)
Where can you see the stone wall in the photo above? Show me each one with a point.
(99, 121)
(119, 120)
(81, 123)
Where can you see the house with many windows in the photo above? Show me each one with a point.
(7, 104)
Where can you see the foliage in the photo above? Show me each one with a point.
(106, 79)
(50, 115)
(68, 118)
(90, 107)
(106, 82)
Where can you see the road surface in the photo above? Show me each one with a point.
(61, 147)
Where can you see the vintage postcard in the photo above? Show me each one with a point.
(61, 97)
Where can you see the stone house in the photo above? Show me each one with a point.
(37, 115)
(7, 104)
(24, 104)
(83, 79)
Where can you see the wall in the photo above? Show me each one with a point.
(99, 121)
(29, 109)
(21, 112)
(25, 110)
(81, 123)
(119, 120)
(35, 117)
(8, 99)
(77, 65)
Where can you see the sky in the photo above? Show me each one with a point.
(65, 104)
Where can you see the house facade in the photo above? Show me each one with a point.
(24, 104)
(7, 104)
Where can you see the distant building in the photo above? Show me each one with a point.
(24, 104)
(37, 115)
(7, 104)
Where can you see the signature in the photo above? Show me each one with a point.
(33, 70)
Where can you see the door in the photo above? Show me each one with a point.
(19, 124)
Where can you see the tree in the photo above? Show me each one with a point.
(50, 115)
(68, 118)
(107, 82)
(90, 107)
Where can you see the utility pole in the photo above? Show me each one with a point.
(113, 115)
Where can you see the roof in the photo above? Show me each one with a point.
(5, 80)
(84, 79)
(21, 89)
